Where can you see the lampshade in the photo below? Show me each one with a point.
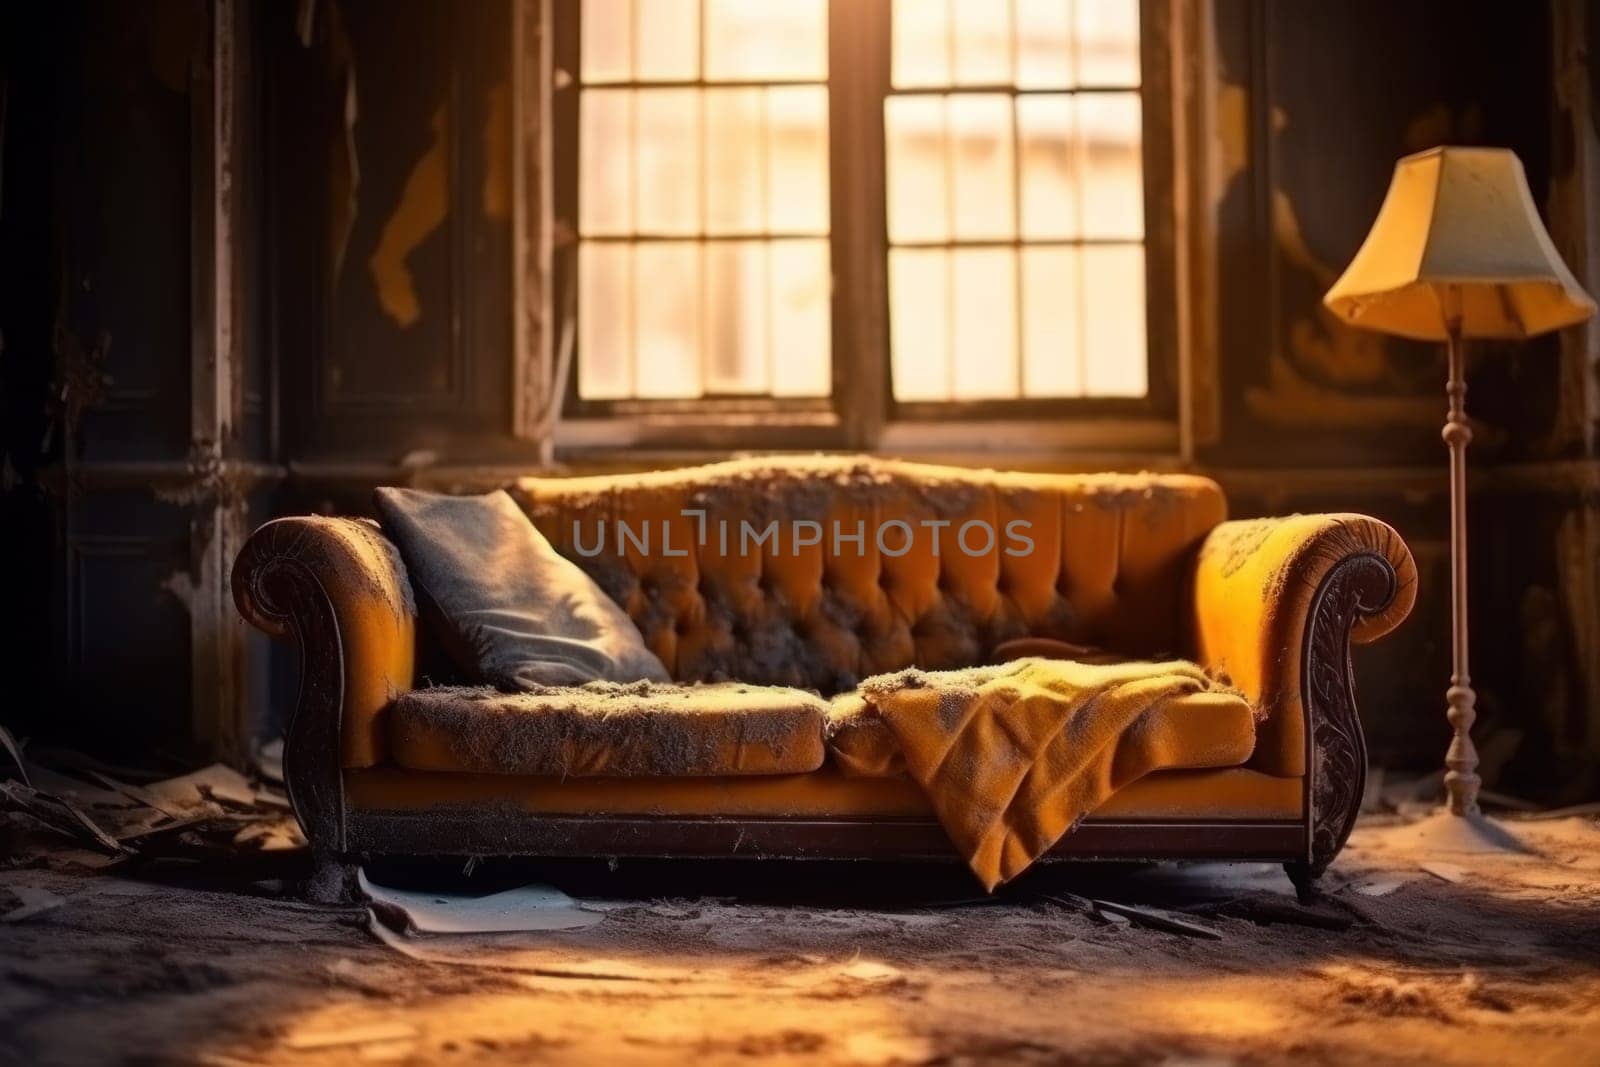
(1458, 233)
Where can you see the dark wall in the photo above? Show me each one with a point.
(27, 290)
(96, 362)
(370, 313)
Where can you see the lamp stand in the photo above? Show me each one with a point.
(1460, 826)
(1461, 781)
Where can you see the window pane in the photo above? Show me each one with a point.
(1108, 42)
(980, 165)
(606, 54)
(919, 302)
(605, 161)
(1110, 153)
(1044, 44)
(1049, 184)
(984, 290)
(802, 291)
(1037, 195)
(668, 194)
(734, 138)
(921, 51)
(1114, 334)
(797, 160)
(1052, 322)
(667, 319)
(766, 40)
(982, 42)
(736, 317)
(919, 199)
(667, 40)
(605, 321)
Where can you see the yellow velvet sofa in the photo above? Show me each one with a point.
(1136, 566)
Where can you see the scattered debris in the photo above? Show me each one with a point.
(217, 782)
(282, 835)
(14, 752)
(529, 908)
(1156, 919)
(1445, 872)
(471, 952)
(1084, 906)
(712, 966)
(34, 901)
(58, 814)
(1380, 887)
(214, 814)
(133, 792)
(275, 798)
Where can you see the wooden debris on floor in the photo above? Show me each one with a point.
(1157, 919)
(58, 814)
(17, 767)
(65, 810)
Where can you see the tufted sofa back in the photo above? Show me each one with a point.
(818, 571)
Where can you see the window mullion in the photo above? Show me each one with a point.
(858, 65)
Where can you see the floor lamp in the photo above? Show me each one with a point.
(1458, 253)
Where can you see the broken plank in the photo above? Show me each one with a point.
(58, 814)
(1157, 920)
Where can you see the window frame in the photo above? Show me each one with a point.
(861, 411)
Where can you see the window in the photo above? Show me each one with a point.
(706, 164)
(703, 199)
(1015, 200)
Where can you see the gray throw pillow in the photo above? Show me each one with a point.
(511, 611)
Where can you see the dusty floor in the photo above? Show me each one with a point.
(1483, 960)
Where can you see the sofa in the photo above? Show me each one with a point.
(1125, 567)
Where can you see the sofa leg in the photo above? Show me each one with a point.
(1305, 877)
(332, 880)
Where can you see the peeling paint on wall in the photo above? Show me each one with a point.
(423, 207)
(1231, 154)
(1311, 384)
(344, 165)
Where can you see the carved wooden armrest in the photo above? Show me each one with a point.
(337, 587)
(1276, 604)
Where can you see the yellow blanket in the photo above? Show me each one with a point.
(1012, 756)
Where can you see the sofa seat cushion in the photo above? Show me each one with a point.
(605, 729)
(1203, 729)
(1229, 793)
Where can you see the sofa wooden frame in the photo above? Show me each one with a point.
(286, 595)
